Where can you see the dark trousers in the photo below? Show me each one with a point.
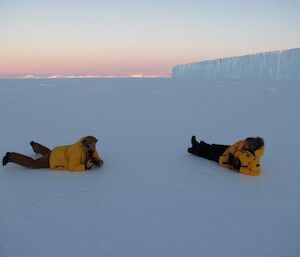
(207, 151)
(28, 162)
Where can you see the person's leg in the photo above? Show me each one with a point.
(221, 147)
(197, 148)
(26, 161)
(195, 143)
(37, 148)
(207, 151)
(203, 152)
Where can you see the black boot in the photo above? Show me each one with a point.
(5, 159)
(32, 143)
(191, 150)
(194, 141)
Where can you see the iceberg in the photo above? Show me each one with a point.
(275, 65)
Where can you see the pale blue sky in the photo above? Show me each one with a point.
(138, 37)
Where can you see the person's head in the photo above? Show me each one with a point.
(253, 143)
(89, 143)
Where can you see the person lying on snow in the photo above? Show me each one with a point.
(243, 156)
(80, 156)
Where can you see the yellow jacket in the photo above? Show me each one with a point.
(70, 157)
(249, 162)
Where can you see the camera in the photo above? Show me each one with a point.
(91, 158)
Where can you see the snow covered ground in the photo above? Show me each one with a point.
(151, 198)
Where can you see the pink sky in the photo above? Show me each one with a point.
(123, 38)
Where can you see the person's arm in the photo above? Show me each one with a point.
(235, 162)
(251, 170)
(88, 164)
(249, 164)
(224, 159)
(74, 162)
(96, 155)
(98, 161)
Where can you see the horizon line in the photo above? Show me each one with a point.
(84, 76)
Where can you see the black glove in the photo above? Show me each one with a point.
(230, 159)
(234, 162)
(98, 163)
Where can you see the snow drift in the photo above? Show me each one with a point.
(273, 65)
(151, 198)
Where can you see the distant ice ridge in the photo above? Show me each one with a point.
(268, 65)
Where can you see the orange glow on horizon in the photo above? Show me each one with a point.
(72, 65)
(44, 67)
(60, 76)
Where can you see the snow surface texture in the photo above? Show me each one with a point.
(269, 65)
(151, 198)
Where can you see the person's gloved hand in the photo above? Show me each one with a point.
(236, 163)
(98, 163)
(230, 159)
(88, 164)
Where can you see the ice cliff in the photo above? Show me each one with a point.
(268, 65)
